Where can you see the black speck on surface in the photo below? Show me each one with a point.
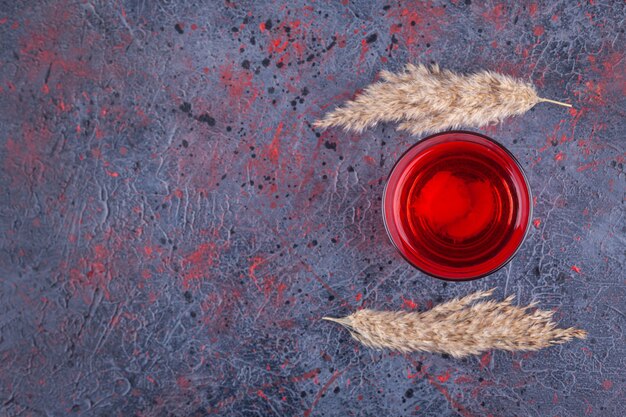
(372, 38)
(179, 28)
(205, 118)
(185, 107)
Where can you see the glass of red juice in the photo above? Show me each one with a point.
(457, 205)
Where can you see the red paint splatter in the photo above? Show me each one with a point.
(607, 384)
(198, 264)
(239, 86)
(364, 48)
(409, 303)
(261, 394)
(497, 16)
(537, 223)
(459, 407)
(614, 73)
(369, 160)
(256, 261)
(307, 375)
(485, 360)
(183, 382)
(463, 379)
(445, 377)
(576, 269)
(274, 146)
(332, 379)
(277, 46)
(559, 156)
(538, 30)
(93, 272)
(416, 25)
(194, 26)
(532, 9)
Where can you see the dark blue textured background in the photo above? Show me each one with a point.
(173, 228)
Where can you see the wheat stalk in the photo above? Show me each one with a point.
(459, 327)
(428, 99)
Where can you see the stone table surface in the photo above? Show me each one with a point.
(173, 228)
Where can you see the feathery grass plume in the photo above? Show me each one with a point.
(428, 99)
(459, 327)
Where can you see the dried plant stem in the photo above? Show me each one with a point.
(428, 99)
(459, 327)
(560, 103)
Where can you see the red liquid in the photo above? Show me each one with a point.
(457, 206)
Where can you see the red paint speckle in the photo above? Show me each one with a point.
(261, 394)
(559, 156)
(538, 30)
(274, 147)
(359, 296)
(369, 160)
(485, 360)
(198, 263)
(537, 223)
(607, 385)
(183, 382)
(576, 269)
(194, 26)
(532, 9)
(238, 86)
(409, 303)
(496, 16)
(444, 377)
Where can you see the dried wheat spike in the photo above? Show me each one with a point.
(428, 99)
(459, 327)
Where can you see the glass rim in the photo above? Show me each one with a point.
(526, 185)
